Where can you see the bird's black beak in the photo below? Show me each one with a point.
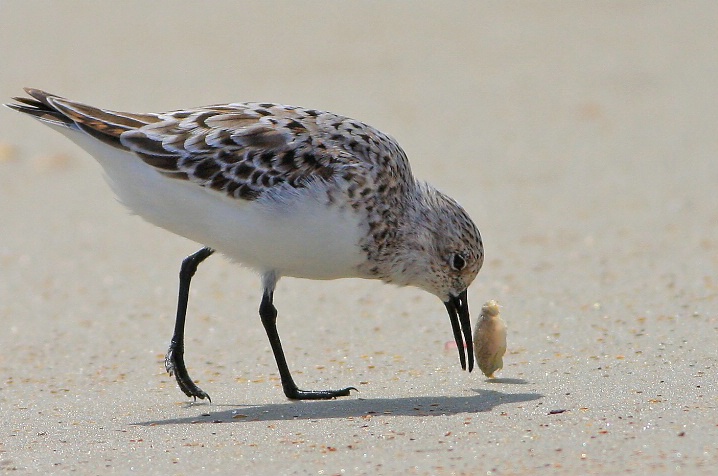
(458, 308)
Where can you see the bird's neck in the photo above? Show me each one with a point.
(400, 236)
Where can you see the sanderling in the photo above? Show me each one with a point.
(284, 190)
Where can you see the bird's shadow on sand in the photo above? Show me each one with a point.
(483, 401)
(506, 380)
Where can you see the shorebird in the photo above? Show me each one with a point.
(284, 190)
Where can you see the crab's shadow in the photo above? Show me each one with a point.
(483, 401)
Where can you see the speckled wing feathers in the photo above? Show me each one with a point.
(242, 150)
(234, 150)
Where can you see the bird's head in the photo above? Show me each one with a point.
(441, 253)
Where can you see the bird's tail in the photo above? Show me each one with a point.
(39, 106)
(102, 124)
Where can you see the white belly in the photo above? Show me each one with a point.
(295, 235)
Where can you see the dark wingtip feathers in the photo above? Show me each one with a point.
(102, 124)
(39, 106)
(41, 96)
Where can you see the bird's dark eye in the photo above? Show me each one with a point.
(458, 262)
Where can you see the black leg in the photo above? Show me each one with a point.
(268, 313)
(174, 360)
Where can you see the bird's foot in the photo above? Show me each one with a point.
(174, 364)
(293, 393)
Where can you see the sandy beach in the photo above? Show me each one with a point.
(580, 136)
